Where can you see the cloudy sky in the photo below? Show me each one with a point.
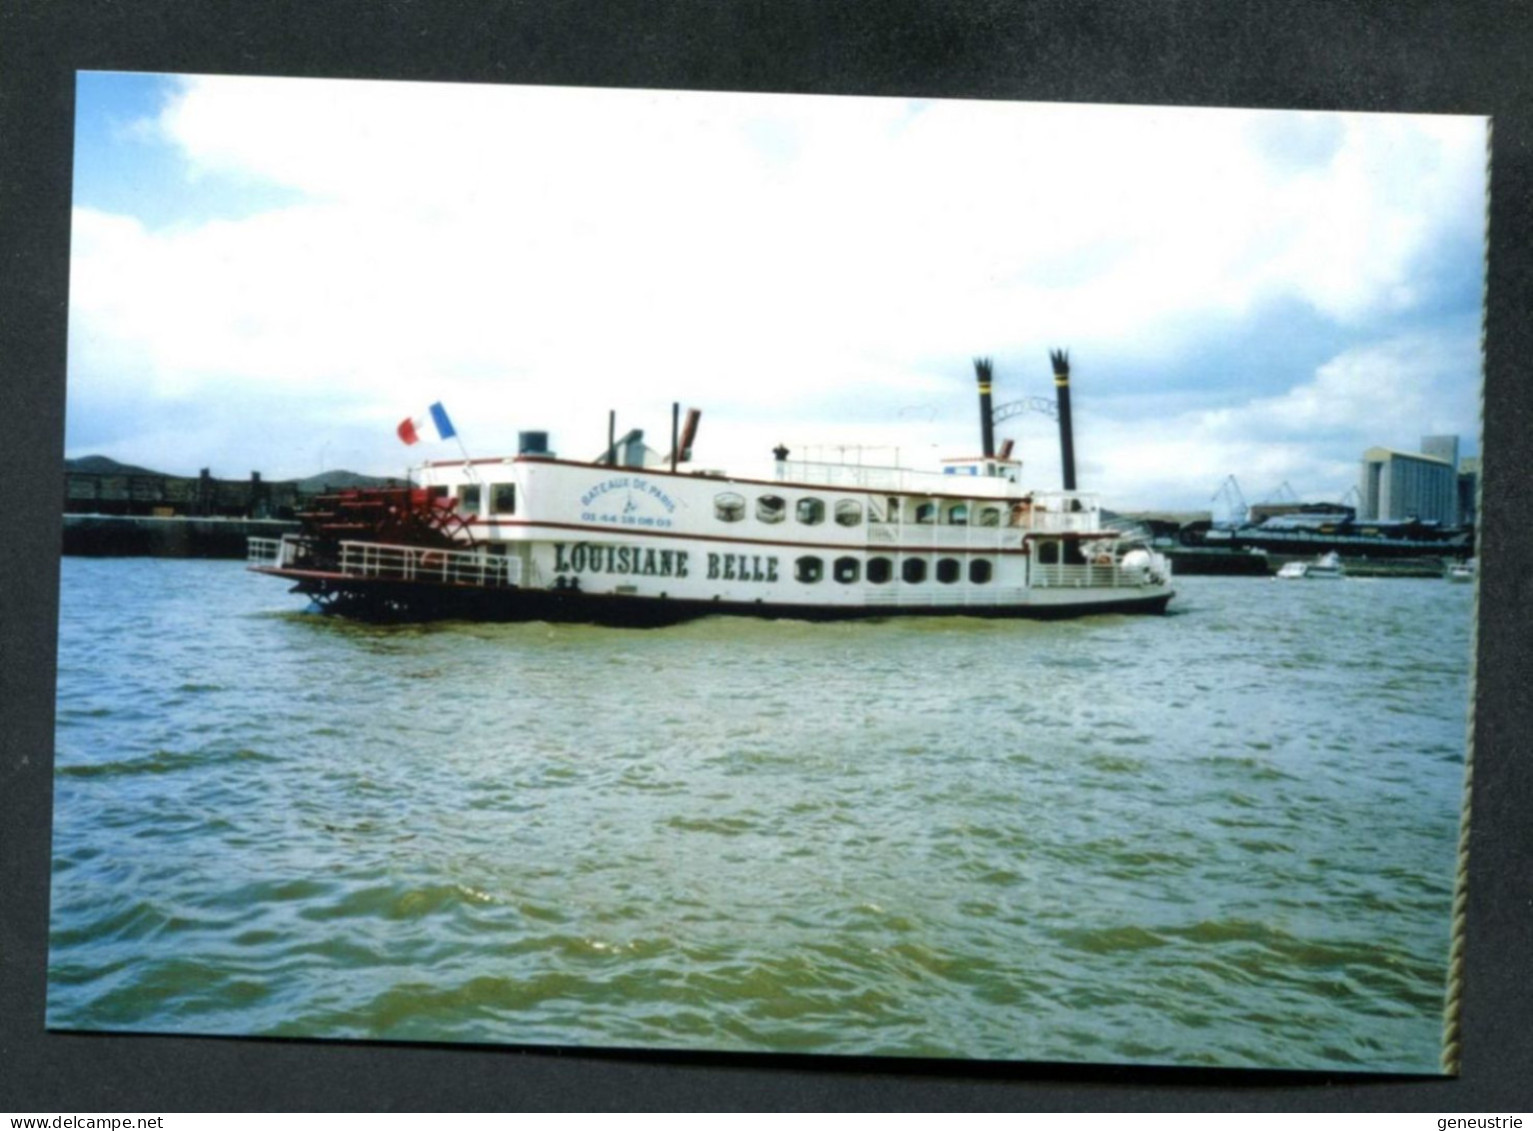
(269, 274)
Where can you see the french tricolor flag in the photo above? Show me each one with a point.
(409, 428)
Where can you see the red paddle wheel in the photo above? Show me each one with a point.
(395, 516)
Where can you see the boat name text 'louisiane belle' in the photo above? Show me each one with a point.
(590, 557)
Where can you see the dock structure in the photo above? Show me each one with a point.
(97, 487)
(116, 510)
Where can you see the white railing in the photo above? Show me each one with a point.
(1056, 512)
(944, 536)
(933, 596)
(868, 477)
(390, 562)
(413, 563)
(1089, 576)
(266, 552)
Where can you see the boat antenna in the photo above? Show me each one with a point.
(1061, 361)
(982, 371)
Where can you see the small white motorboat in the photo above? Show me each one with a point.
(1324, 568)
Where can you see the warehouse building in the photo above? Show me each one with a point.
(1401, 485)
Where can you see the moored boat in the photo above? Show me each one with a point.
(632, 538)
(1326, 567)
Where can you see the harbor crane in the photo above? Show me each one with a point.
(1234, 501)
(1277, 494)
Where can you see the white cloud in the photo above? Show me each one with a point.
(534, 256)
(1390, 393)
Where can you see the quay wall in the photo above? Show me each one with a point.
(1190, 561)
(102, 535)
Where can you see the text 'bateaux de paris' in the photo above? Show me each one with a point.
(621, 500)
(646, 561)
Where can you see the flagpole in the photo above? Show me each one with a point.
(467, 460)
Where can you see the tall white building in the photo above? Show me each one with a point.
(1443, 447)
(1400, 485)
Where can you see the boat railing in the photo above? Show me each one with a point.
(943, 536)
(869, 477)
(267, 553)
(927, 596)
(384, 561)
(1060, 575)
(416, 563)
(1061, 512)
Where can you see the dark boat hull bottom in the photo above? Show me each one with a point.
(389, 601)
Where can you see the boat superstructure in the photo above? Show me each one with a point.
(629, 540)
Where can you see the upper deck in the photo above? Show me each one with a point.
(817, 500)
(976, 478)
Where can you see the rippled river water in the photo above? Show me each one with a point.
(1221, 837)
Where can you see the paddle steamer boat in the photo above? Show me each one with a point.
(632, 538)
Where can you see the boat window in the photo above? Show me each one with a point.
(1048, 553)
(729, 506)
(468, 498)
(958, 514)
(436, 492)
(846, 570)
(879, 570)
(979, 571)
(505, 498)
(893, 510)
(989, 516)
(913, 570)
(849, 513)
(811, 512)
(926, 513)
(771, 508)
(947, 570)
(808, 569)
(1073, 554)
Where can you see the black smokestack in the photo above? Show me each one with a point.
(1061, 360)
(986, 419)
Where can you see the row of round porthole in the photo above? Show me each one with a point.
(846, 571)
(729, 506)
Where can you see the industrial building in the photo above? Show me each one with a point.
(1420, 485)
(1468, 490)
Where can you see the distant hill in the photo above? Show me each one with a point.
(343, 479)
(102, 465)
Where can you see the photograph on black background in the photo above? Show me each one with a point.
(533, 573)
